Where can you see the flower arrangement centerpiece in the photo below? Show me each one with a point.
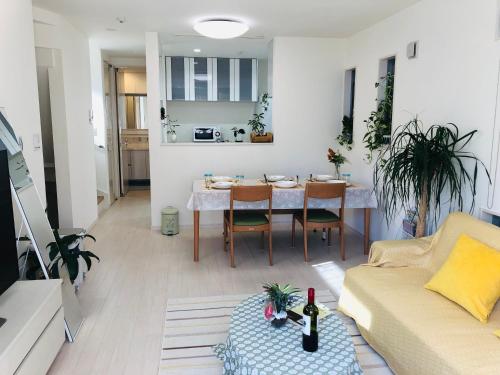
(337, 159)
(279, 298)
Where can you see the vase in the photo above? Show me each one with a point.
(277, 323)
(280, 318)
(337, 172)
(173, 138)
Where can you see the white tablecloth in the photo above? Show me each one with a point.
(203, 199)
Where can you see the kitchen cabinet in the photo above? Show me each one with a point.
(211, 79)
(222, 80)
(177, 72)
(245, 85)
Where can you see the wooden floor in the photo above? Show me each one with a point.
(124, 296)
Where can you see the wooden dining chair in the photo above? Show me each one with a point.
(249, 220)
(320, 218)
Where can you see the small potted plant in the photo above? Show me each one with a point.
(337, 159)
(259, 135)
(280, 297)
(171, 125)
(345, 138)
(238, 134)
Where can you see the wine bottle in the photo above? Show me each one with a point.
(310, 330)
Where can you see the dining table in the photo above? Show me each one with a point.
(204, 197)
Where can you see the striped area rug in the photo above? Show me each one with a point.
(194, 325)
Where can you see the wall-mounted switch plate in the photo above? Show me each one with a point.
(37, 143)
(412, 50)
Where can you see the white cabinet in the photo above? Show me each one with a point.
(34, 331)
(211, 79)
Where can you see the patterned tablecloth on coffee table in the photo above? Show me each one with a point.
(254, 347)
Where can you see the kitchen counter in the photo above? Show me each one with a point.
(213, 144)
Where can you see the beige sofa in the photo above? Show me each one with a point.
(418, 331)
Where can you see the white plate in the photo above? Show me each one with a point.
(221, 178)
(222, 184)
(275, 178)
(285, 184)
(338, 182)
(324, 177)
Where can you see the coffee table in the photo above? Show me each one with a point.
(254, 347)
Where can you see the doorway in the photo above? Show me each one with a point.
(133, 129)
(112, 136)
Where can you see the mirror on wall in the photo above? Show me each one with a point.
(37, 224)
(136, 111)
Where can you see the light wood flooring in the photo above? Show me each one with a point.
(124, 296)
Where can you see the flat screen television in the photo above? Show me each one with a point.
(9, 266)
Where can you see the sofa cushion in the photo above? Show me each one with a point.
(456, 224)
(418, 331)
(470, 277)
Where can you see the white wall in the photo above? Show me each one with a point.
(53, 31)
(99, 120)
(307, 97)
(18, 87)
(453, 79)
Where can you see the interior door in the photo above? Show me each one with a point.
(124, 153)
(109, 131)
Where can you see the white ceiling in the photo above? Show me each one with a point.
(267, 19)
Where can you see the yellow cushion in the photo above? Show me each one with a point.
(470, 277)
(497, 333)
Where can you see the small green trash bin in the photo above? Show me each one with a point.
(170, 221)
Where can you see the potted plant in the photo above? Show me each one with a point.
(424, 168)
(280, 297)
(337, 159)
(258, 134)
(238, 134)
(171, 125)
(379, 124)
(345, 138)
(66, 251)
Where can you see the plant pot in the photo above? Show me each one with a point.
(277, 323)
(173, 137)
(264, 138)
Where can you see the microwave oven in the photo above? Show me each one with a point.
(206, 134)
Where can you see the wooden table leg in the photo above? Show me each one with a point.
(196, 225)
(367, 230)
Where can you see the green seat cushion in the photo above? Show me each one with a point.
(321, 216)
(249, 218)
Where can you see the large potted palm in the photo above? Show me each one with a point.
(424, 168)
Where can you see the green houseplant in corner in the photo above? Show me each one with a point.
(425, 168)
(379, 124)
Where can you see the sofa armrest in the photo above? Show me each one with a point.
(400, 253)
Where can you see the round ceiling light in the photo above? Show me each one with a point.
(221, 28)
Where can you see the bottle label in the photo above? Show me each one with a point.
(307, 325)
